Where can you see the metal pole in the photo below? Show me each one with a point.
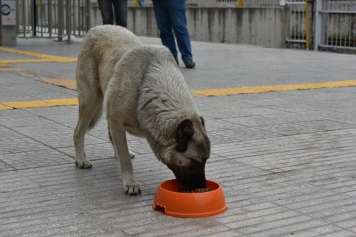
(68, 14)
(307, 25)
(73, 13)
(24, 20)
(318, 24)
(34, 23)
(50, 23)
(41, 16)
(60, 20)
(17, 17)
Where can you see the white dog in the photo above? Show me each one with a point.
(145, 94)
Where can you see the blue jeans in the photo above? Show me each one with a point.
(172, 23)
(109, 7)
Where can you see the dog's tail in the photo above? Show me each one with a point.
(96, 117)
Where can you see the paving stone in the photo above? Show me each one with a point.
(255, 121)
(57, 135)
(341, 233)
(170, 228)
(317, 231)
(93, 152)
(256, 226)
(5, 167)
(236, 215)
(290, 228)
(82, 229)
(289, 129)
(229, 233)
(208, 230)
(243, 133)
(25, 121)
(335, 205)
(338, 117)
(7, 95)
(337, 214)
(325, 125)
(37, 158)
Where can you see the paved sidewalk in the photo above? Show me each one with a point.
(286, 159)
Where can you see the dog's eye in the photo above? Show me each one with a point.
(202, 121)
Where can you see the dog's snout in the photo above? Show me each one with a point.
(190, 177)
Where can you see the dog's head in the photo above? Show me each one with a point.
(188, 156)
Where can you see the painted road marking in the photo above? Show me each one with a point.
(276, 88)
(214, 92)
(10, 69)
(4, 107)
(38, 103)
(71, 84)
(62, 82)
(43, 57)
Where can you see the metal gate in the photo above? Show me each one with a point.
(299, 33)
(53, 18)
(336, 26)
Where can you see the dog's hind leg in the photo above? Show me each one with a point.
(118, 138)
(90, 110)
(88, 113)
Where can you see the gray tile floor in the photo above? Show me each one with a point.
(286, 160)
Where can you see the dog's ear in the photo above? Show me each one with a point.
(184, 132)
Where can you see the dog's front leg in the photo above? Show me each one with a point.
(118, 136)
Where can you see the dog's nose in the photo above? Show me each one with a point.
(190, 177)
(193, 183)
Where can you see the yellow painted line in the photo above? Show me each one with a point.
(10, 69)
(3, 107)
(63, 102)
(62, 82)
(61, 59)
(5, 62)
(28, 53)
(215, 92)
(32, 54)
(277, 88)
(38, 103)
(43, 57)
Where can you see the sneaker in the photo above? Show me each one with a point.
(189, 63)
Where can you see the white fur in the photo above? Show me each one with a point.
(144, 93)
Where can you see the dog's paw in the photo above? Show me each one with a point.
(132, 188)
(83, 164)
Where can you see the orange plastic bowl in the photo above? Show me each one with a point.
(172, 202)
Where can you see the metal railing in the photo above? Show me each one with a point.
(199, 3)
(53, 18)
(259, 3)
(336, 25)
(298, 35)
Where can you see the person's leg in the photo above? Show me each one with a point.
(165, 26)
(106, 10)
(177, 13)
(120, 9)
